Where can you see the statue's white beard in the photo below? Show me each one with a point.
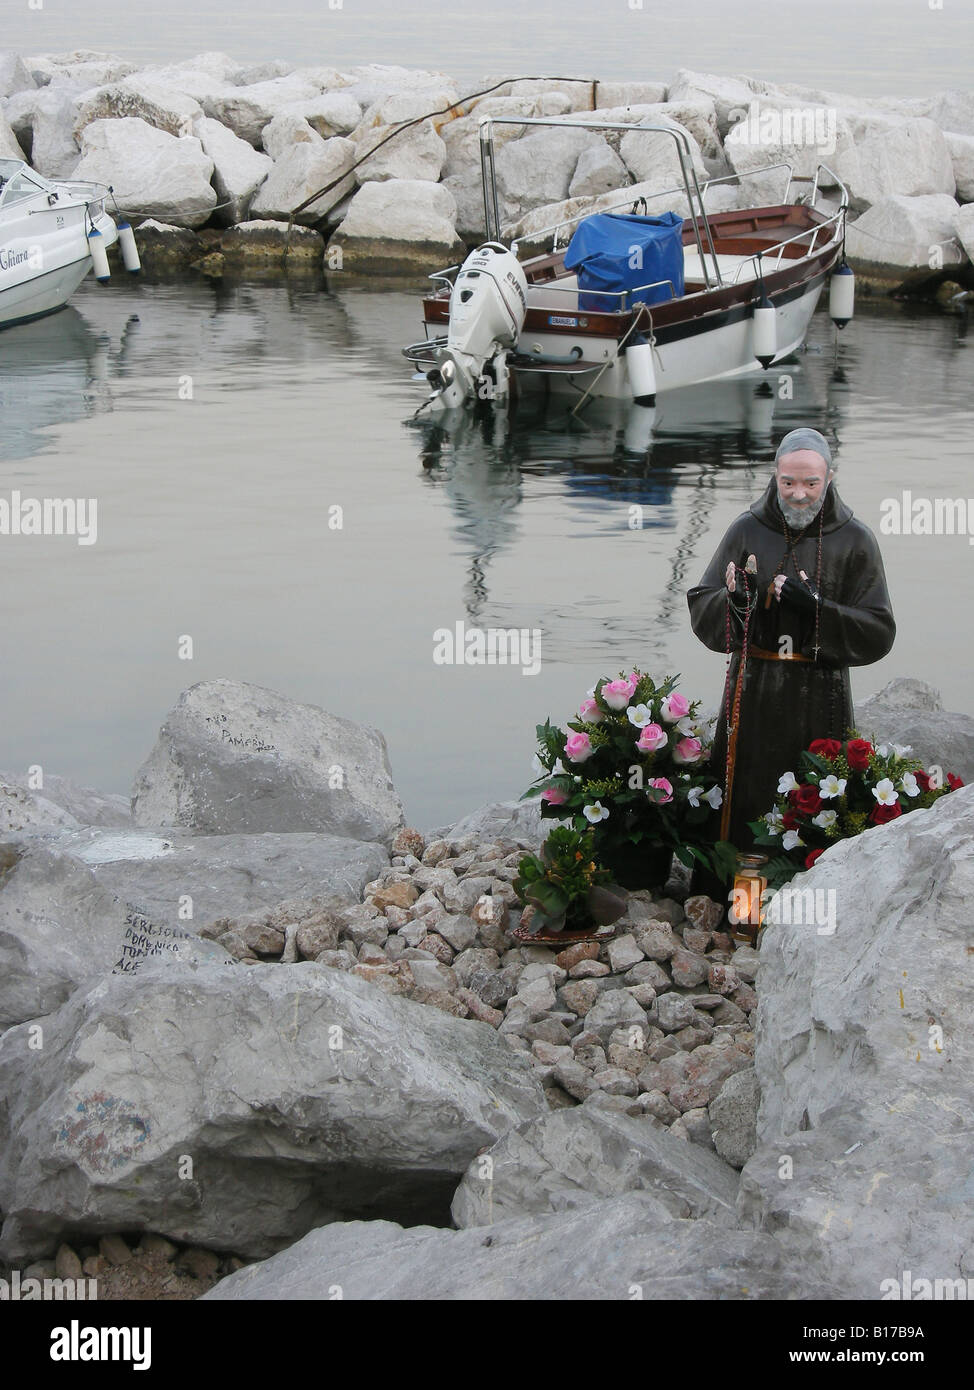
(799, 517)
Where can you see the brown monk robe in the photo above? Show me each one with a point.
(820, 594)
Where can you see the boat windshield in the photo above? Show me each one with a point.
(16, 183)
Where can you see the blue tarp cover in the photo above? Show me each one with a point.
(618, 251)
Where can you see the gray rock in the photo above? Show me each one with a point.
(237, 758)
(875, 1119)
(300, 1093)
(161, 107)
(61, 927)
(573, 1158)
(613, 1009)
(910, 713)
(84, 805)
(43, 122)
(515, 821)
(616, 1249)
(22, 810)
(170, 873)
(734, 1115)
(675, 1012)
(247, 109)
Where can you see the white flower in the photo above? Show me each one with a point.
(640, 715)
(687, 726)
(885, 793)
(825, 819)
(908, 783)
(831, 786)
(715, 796)
(791, 840)
(773, 820)
(788, 783)
(538, 766)
(901, 749)
(559, 769)
(595, 812)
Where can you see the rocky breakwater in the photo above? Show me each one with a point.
(379, 166)
(425, 1106)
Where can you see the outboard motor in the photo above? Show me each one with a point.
(487, 310)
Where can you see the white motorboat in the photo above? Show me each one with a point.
(51, 234)
(634, 305)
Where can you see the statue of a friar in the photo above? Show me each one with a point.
(797, 589)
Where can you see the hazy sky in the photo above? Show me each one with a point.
(907, 47)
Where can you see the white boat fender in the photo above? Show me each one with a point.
(130, 252)
(642, 370)
(842, 295)
(765, 335)
(99, 256)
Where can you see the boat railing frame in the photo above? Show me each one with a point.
(680, 137)
(663, 193)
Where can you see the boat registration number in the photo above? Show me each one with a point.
(561, 321)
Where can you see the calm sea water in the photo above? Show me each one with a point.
(901, 47)
(213, 523)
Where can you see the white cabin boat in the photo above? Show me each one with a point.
(45, 245)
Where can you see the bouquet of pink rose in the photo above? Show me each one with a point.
(843, 789)
(632, 766)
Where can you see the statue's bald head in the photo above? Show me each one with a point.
(803, 471)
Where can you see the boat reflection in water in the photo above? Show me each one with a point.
(56, 370)
(667, 467)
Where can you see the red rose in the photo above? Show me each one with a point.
(953, 781)
(882, 814)
(857, 752)
(826, 747)
(807, 800)
(812, 856)
(923, 780)
(789, 821)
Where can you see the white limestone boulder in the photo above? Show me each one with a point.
(61, 929)
(900, 233)
(574, 1157)
(332, 113)
(961, 151)
(865, 1060)
(731, 96)
(307, 165)
(910, 712)
(964, 227)
(83, 68)
(9, 144)
(909, 157)
(83, 805)
(413, 153)
(617, 1249)
(158, 106)
(409, 92)
(303, 1094)
(538, 168)
(43, 122)
(400, 226)
(15, 76)
(615, 94)
(246, 110)
(236, 758)
(238, 169)
(150, 170)
(599, 169)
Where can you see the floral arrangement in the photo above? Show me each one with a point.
(633, 766)
(844, 788)
(564, 885)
